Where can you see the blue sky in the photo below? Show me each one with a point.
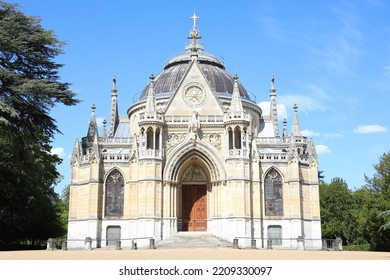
(332, 58)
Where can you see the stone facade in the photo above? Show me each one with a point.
(194, 153)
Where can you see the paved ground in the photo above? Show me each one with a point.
(192, 254)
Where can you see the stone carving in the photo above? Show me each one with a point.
(194, 174)
(214, 139)
(194, 94)
(174, 139)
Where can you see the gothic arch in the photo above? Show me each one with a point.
(114, 187)
(181, 155)
(273, 193)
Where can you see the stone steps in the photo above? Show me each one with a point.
(193, 239)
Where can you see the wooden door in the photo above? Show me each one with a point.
(194, 207)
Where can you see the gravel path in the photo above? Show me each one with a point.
(192, 254)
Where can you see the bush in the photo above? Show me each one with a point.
(359, 247)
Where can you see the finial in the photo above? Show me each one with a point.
(235, 77)
(273, 82)
(151, 77)
(114, 90)
(93, 107)
(284, 122)
(194, 18)
(295, 108)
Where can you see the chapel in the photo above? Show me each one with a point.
(194, 153)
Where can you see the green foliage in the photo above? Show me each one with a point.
(64, 208)
(359, 247)
(361, 217)
(29, 89)
(336, 204)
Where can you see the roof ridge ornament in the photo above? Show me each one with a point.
(194, 37)
(194, 18)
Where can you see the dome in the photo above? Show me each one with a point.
(220, 81)
(212, 67)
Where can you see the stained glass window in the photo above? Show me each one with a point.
(273, 194)
(114, 194)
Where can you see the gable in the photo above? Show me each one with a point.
(194, 94)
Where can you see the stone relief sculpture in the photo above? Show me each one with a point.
(194, 174)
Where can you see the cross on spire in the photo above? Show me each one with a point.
(194, 18)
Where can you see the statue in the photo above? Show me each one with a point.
(194, 126)
(194, 123)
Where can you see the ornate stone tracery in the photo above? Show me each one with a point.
(214, 139)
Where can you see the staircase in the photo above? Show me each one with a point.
(192, 239)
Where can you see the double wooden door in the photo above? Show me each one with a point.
(194, 207)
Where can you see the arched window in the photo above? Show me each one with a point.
(149, 140)
(237, 138)
(114, 194)
(273, 194)
(230, 139)
(157, 139)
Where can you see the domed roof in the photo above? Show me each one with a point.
(212, 67)
(220, 81)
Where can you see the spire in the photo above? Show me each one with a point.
(150, 109)
(194, 37)
(92, 129)
(114, 118)
(312, 150)
(76, 149)
(273, 107)
(296, 129)
(236, 106)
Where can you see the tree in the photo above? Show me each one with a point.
(379, 186)
(64, 207)
(336, 203)
(29, 88)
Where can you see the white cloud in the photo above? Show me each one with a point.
(60, 152)
(282, 111)
(99, 121)
(365, 129)
(264, 107)
(309, 133)
(322, 149)
(315, 98)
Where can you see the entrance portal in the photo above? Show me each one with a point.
(194, 207)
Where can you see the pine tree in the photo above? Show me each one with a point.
(29, 88)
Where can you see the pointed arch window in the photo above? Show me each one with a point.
(237, 137)
(157, 139)
(273, 194)
(114, 194)
(149, 140)
(230, 139)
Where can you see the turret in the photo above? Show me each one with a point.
(92, 129)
